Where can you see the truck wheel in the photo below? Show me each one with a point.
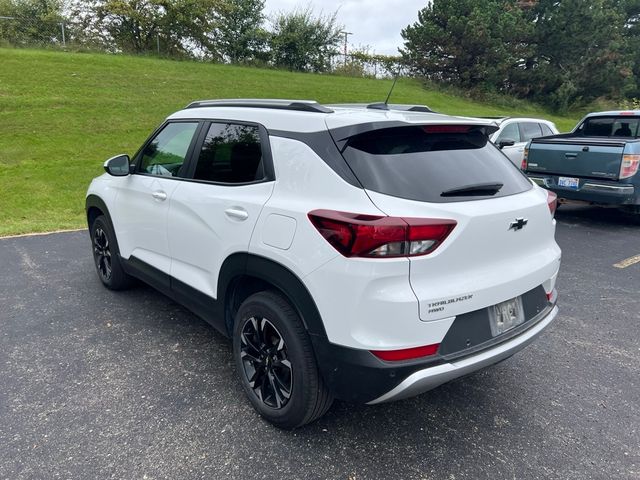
(633, 209)
(276, 363)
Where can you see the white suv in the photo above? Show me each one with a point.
(366, 253)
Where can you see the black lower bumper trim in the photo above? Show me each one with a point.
(358, 376)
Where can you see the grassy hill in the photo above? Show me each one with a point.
(62, 114)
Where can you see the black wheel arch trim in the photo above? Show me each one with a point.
(240, 265)
(93, 201)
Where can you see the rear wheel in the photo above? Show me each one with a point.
(276, 364)
(106, 257)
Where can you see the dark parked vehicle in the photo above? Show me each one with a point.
(596, 163)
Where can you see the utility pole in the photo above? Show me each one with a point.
(64, 40)
(346, 35)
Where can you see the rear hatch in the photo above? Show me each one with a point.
(503, 243)
(484, 261)
(576, 156)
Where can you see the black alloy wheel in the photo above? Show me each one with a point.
(102, 253)
(275, 362)
(106, 255)
(266, 362)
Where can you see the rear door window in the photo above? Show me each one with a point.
(510, 132)
(231, 153)
(546, 130)
(417, 164)
(530, 130)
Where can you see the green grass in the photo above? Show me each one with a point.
(62, 114)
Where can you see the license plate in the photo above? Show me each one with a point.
(506, 315)
(568, 182)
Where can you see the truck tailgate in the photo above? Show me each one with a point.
(576, 157)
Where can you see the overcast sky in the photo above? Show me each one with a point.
(376, 23)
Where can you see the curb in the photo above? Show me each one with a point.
(40, 234)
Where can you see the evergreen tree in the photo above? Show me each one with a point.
(580, 52)
(470, 43)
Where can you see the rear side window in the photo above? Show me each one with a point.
(530, 130)
(231, 153)
(546, 130)
(410, 163)
(626, 126)
(510, 132)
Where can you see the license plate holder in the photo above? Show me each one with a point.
(506, 316)
(569, 182)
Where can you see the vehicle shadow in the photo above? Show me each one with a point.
(596, 216)
(486, 420)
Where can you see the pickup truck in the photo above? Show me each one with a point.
(596, 163)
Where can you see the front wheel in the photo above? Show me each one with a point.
(276, 363)
(106, 257)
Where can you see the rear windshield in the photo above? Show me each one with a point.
(411, 163)
(625, 126)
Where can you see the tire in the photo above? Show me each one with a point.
(275, 362)
(106, 256)
(632, 209)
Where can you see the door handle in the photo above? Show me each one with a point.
(238, 213)
(571, 155)
(159, 195)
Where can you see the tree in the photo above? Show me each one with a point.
(177, 27)
(580, 52)
(631, 32)
(31, 22)
(300, 41)
(239, 36)
(475, 44)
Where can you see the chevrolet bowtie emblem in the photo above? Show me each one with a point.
(519, 224)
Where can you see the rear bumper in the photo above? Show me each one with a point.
(356, 375)
(429, 378)
(592, 191)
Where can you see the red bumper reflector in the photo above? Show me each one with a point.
(552, 296)
(552, 201)
(407, 353)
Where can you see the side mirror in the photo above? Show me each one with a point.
(117, 166)
(506, 143)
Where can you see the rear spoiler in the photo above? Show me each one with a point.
(342, 134)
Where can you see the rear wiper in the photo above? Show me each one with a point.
(478, 189)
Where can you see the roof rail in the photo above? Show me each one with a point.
(387, 106)
(296, 105)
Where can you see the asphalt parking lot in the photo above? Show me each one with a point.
(96, 384)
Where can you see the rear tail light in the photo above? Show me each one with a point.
(371, 236)
(552, 202)
(407, 353)
(552, 296)
(525, 159)
(629, 166)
